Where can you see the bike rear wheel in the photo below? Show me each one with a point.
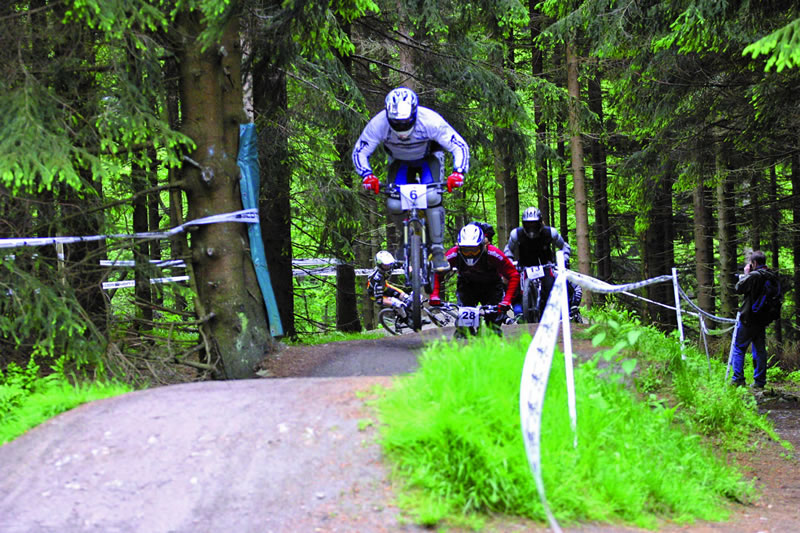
(416, 282)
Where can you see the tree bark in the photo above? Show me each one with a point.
(775, 246)
(726, 235)
(141, 248)
(704, 248)
(659, 257)
(563, 224)
(600, 179)
(211, 109)
(270, 103)
(537, 69)
(796, 235)
(345, 215)
(578, 178)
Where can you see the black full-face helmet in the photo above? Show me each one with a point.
(532, 223)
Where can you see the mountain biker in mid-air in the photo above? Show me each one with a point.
(481, 269)
(532, 244)
(414, 138)
(383, 292)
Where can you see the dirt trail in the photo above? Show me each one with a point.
(269, 455)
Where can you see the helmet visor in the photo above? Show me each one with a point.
(533, 227)
(403, 128)
(470, 251)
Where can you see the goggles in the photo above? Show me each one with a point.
(470, 251)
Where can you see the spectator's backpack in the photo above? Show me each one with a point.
(766, 306)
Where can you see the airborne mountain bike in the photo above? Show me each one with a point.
(416, 266)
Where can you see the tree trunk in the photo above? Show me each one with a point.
(537, 69)
(704, 248)
(179, 246)
(270, 103)
(796, 235)
(579, 186)
(211, 109)
(659, 254)
(726, 235)
(346, 217)
(775, 246)
(141, 248)
(563, 224)
(600, 179)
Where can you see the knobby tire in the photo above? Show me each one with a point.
(416, 281)
(388, 319)
(530, 302)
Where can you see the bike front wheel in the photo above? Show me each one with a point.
(391, 321)
(530, 303)
(416, 282)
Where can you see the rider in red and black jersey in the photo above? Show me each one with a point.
(481, 269)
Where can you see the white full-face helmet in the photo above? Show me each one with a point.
(532, 223)
(384, 261)
(471, 244)
(401, 110)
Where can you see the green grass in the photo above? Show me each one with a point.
(452, 432)
(27, 400)
(333, 336)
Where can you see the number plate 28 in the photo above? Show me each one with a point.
(469, 317)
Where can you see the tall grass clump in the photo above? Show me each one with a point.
(452, 431)
(708, 404)
(27, 399)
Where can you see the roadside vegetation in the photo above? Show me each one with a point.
(27, 398)
(452, 432)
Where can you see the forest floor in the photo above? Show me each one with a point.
(293, 453)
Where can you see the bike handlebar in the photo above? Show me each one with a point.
(392, 188)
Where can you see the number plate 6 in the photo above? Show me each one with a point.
(413, 196)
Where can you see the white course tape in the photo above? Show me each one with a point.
(132, 283)
(246, 215)
(597, 285)
(535, 373)
(175, 263)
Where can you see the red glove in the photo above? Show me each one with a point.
(504, 306)
(434, 300)
(371, 183)
(454, 181)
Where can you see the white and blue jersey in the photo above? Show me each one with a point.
(430, 127)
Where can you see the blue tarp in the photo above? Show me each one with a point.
(249, 184)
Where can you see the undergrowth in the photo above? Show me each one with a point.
(696, 383)
(452, 432)
(333, 336)
(27, 399)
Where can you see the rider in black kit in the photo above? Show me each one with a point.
(532, 244)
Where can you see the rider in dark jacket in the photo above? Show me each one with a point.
(532, 244)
